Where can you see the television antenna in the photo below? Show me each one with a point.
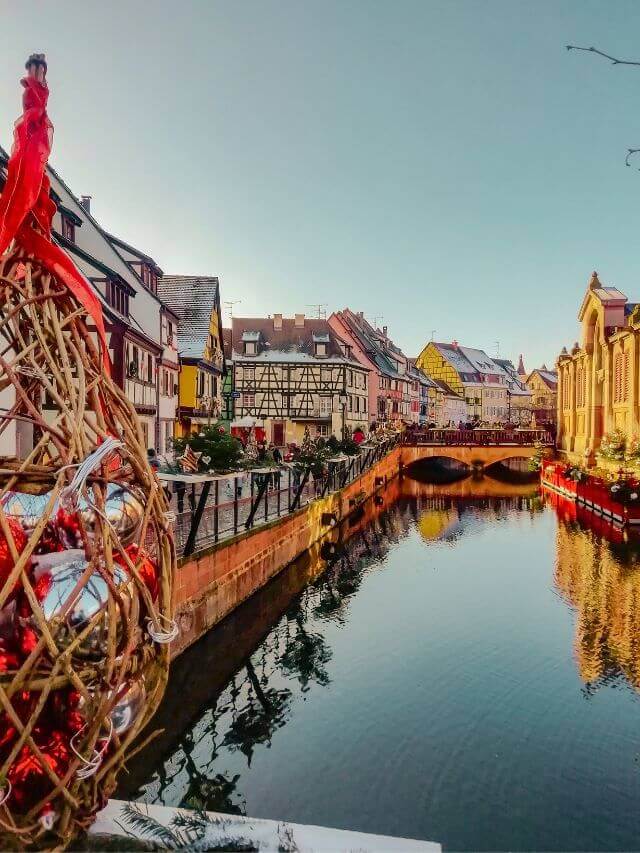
(497, 349)
(321, 309)
(433, 334)
(376, 320)
(229, 305)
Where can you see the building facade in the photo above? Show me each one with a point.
(519, 396)
(294, 373)
(392, 395)
(470, 373)
(195, 300)
(125, 281)
(543, 384)
(598, 387)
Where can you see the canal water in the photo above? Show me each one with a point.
(460, 663)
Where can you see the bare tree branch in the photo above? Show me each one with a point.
(612, 59)
(630, 153)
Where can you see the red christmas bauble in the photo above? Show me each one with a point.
(147, 569)
(28, 778)
(19, 540)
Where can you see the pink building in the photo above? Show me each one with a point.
(391, 391)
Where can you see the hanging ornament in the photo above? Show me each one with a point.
(122, 510)
(27, 776)
(25, 508)
(147, 569)
(19, 542)
(55, 589)
(129, 705)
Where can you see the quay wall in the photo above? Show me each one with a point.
(213, 582)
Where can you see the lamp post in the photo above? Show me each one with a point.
(343, 409)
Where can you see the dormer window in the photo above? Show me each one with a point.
(250, 343)
(149, 277)
(117, 296)
(68, 229)
(320, 345)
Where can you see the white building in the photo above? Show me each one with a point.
(140, 329)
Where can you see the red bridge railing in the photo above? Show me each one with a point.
(477, 437)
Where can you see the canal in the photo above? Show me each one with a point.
(460, 663)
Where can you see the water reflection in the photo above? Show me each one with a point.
(597, 572)
(292, 653)
(300, 697)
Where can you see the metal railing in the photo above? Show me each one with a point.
(476, 437)
(208, 509)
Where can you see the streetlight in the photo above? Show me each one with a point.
(343, 408)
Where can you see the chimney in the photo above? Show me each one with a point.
(277, 321)
(85, 201)
(384, 331)
(299, 321)
(454, 344)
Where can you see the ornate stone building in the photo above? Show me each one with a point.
(599, 380)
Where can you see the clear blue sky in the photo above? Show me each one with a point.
(445, 164)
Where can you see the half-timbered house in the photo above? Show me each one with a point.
(293, 373)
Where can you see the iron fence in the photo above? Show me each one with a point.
(206, 510)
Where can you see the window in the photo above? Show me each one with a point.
(145, 433)
(249, 348)
(325, 405)
(168, 436)
(580, 386)
(322, 430)
(321, 349)
(249, 375)
(68, 229)
(149, 368)
(117, 297)
(248, 401)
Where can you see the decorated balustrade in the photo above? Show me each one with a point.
(476, 437)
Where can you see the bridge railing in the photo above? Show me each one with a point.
(477, 437)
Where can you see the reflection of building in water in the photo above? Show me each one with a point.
(439, 524)
(269, 653)
(602, 581)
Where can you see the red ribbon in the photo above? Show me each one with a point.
(25, 202)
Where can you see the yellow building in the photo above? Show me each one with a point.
(196, 302)
(473, 375)
(599, 380)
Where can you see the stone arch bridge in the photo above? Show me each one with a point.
(474, 448)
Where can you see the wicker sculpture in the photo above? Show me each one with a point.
(86, 552)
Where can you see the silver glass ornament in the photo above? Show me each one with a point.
(122, 508)
(129, 706)
(90, 600)
(25, 508)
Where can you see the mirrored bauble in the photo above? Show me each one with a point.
(25, 508)
(129, 706)
(122, 508)
(56, 588)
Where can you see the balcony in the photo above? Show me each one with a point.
(141, 394)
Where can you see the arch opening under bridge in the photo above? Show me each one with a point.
(477, 449)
